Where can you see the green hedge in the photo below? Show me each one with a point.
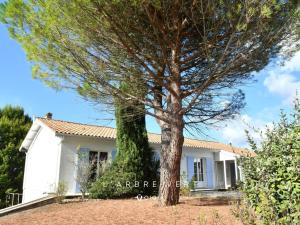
(272, 178)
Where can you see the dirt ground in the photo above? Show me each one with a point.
(192, 211)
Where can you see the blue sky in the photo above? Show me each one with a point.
(274, 90)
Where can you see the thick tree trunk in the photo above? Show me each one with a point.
(172, 141)
(172, 136)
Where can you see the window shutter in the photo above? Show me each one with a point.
(209, 172)
(156, 155)
(113, 154)
(83, 155)
(190, 168)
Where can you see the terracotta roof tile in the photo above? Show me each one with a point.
(71, 128)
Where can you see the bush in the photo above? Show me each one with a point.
(272, 178)
(184, 185)
(244, 212)
(61, 191)
(192, 185)
(113, 185)
(185, 191)
(118, 182)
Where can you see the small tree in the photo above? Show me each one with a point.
(85, 171)
(272, 178)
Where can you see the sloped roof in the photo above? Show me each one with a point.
(71, 128)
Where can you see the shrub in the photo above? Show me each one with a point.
(61, 191)
(185, 191)
(272, 178)
(192, 185)
(184, 185)
(244, 212)
(115, 184)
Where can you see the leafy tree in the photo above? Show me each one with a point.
(272, 178)
(14, 125)
(84, 171)
(134, 161)
(190, 56)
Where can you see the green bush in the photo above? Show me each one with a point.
(113, 185)
(272, 178)
(61, 191)
(192, 185)
(118, 182)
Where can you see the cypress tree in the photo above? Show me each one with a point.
(134, 161)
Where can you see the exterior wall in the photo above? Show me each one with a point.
(72, 144)
(52, 159)
(226, 158)
(41, 165)
(69, 157)
(191, 152)
(223, 155)
(197, 153)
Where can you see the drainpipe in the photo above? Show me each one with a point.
(225, 175)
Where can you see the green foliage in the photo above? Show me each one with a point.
(184, 185)
(84, 171)
(272, 178)
(14, 125)
(185, 191)
(240, 209)
(192, 185)
(92, 53)
(61, 191)
(114, 184)
(134, 160)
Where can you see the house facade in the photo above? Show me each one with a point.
(52, 150)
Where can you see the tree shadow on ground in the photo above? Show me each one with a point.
(217, 201)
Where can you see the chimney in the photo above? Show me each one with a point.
(48, 116)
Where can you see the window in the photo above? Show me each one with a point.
(199, 169)
(95, 159)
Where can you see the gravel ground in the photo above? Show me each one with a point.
(127, 212)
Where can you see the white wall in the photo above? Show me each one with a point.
(196, 153)
(41, 165)
(69, 156)
(223, 155)
(71, 145)
(52, 158)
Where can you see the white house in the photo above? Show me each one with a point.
(52, 147)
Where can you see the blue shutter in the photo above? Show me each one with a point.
(209, 172)
(156, 156)
(113, 154)
(83, 154)
(190, 167)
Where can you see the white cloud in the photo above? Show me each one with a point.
(293, 64)
(234, 131)
(282, 82)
